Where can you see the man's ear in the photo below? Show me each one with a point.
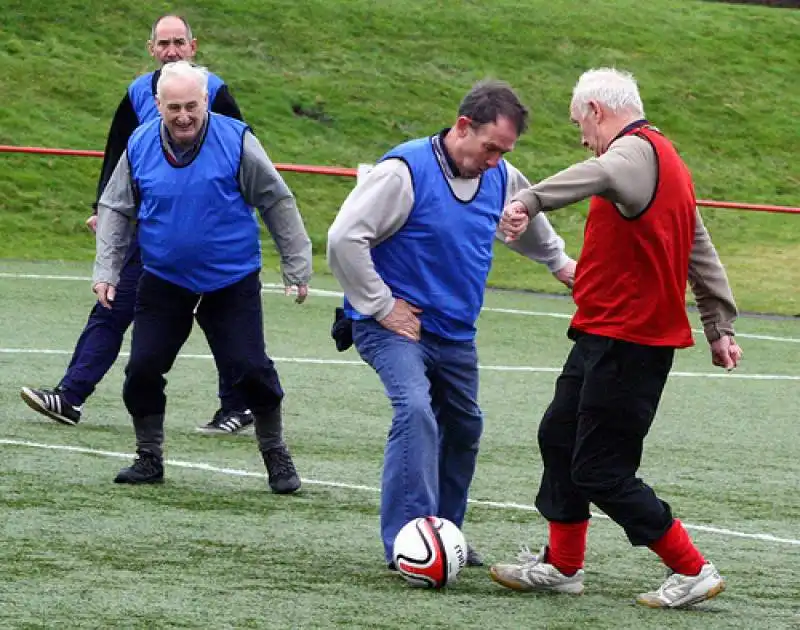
(463, 125)
(596, 111)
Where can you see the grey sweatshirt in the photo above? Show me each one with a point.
(379, 206)
(627, 175)
(262, 187)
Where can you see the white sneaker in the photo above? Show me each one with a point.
(533, 574)
(679, 590)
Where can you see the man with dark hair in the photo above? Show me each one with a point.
(101, 340)
(411, 247)
(194, 167)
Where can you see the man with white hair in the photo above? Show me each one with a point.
(194, 168)
(100, 342)
(644, 239)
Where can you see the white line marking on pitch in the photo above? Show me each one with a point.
(490, 368)
(278, 288)
(503, 505)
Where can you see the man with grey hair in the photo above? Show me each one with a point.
(189, 168)
(644, 239)
(411, 247)
(100, 341)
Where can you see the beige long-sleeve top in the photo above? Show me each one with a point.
(627, 175)
(378, 207)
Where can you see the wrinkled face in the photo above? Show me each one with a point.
(171, 42)
(481, 148)
(589, 124)
(183, 106)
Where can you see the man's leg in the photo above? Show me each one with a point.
(232, 415)
(455, 394)
(623, 386)
(95, 352)
(232, 320)
(162, 323)
(455, 403)
(410, 484)
(558, 566)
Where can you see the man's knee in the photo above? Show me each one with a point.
(259, 385)
(595, 482)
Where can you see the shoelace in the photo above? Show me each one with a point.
(279, 461)
(526, 556)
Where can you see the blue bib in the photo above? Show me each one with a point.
(440, 259)
(195, 229)
(143, 98)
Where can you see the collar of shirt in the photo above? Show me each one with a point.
(636, 124)
(445, 159)
(177, 154)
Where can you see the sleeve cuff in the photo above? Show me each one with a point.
(717, 330)
(384, 310)
(528, 199)
(559, 263)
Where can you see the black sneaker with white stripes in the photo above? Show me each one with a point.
(228, 422)
(51, 403)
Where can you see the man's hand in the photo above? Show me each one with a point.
(514, 220)
(725, 352)
(91, 223)
(105, 293)
(300, 289)
(403, 320)
(566, 274)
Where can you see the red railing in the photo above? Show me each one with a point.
(351, 172)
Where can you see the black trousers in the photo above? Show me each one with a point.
(591, 436)
(231, 319)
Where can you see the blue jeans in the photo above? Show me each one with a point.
(432, 445)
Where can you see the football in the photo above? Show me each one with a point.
(429, 552)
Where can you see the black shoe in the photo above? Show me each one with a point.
(283, 477)
(228, 422)
(473, 558)
(392, 567)
(146, 468)
(51, 403)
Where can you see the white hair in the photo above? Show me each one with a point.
(182, 69)
(615, 89)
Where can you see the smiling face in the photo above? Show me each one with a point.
(172, 41)
(479, 148)
(183, 103)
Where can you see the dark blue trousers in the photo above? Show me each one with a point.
(101, 340)
(592, 436)
(231, 319)
(432, 447)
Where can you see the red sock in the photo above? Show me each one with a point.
(567, 546)
(677, 550)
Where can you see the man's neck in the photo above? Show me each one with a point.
(449, 149)
(619, 126)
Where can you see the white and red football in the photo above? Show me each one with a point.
(430, 552)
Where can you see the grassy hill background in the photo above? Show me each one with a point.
(720, 80)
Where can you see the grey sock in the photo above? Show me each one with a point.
(150, 434)
(269, 429)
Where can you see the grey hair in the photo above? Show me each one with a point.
(615, 89)
(182, 69)
(170, 15)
